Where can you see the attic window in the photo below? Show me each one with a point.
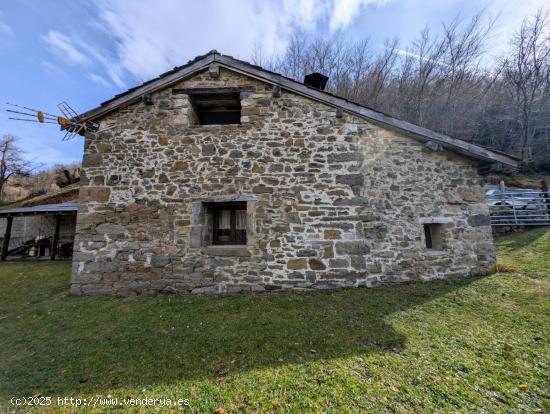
(217, 108)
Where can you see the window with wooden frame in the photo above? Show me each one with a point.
(229, 223)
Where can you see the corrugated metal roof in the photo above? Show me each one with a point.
(44, 208)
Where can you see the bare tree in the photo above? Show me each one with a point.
(359, 63)
(380, 72)
(259, 56)
(440, 82)
(12, 162)
(420, 70)
(464, 46)
(292, 61)
(526, 72)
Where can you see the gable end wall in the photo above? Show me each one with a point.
(331, 201)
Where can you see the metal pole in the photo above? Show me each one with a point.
(514, 209)
(501, 208)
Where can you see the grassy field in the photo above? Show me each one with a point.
(470, 345)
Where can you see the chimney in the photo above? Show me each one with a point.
(316, 80)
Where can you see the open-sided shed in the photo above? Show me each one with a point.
(46, 211)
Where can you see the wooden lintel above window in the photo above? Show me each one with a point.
(203, 91)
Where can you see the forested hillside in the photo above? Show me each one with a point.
(20, 187)
(448, 80)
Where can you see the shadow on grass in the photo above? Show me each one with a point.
(521, 239)
(55, 344)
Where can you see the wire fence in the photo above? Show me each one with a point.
(526, 208)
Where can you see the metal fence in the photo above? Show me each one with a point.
(526, 208)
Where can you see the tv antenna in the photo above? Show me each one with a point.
(69, 121)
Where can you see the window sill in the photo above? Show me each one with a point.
(228, 250)
(213, 126)
(434, 252)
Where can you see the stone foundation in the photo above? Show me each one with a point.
(330, 201)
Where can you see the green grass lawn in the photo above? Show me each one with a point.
(470, 345)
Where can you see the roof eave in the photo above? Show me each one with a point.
(135, 95)
(378, 118)
(45, 209)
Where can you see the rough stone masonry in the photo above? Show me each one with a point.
(330, 201)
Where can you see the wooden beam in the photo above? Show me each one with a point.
(211, 91)
(39, 213)
(6, 242)
(55, 241)
(277, 91)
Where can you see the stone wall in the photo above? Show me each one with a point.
(330, 201)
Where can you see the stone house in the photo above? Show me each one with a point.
(220, 176)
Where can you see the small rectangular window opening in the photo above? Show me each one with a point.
(229, 223)
(433, 235)
(217, 108)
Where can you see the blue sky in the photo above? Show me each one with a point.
(84, 52)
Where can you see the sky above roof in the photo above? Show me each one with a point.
(84, 52)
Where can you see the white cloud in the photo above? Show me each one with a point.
(6, 30)
(100, 80)
(115, 73)
(7, 35)
(81, 52)
(65, 47)
(153, 37)
(50, 68)
(510, 16)
(112, 68)
(344, 11)
(150, 38)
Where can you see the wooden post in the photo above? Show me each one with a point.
(55, 241)
(6, 243)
